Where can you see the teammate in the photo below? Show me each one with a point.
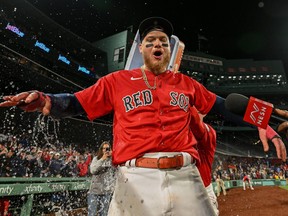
(220, 183)
(247, 180)
(206, 138)
(153, 145)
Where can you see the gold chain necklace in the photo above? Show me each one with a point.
(146, 80)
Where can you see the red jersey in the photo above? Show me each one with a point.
(246, 178)
(206, 151)
(147, 120)
(206, 138)
(83, 168)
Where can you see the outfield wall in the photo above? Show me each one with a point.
(26, 189)
(256, 182)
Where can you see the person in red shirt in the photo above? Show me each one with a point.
(206, 138)
(83, 165)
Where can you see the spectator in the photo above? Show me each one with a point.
(83, 165)
(3, 152)
(55, 166)
(38, 165)
(16, 165)
(102, 183)
(70, 168)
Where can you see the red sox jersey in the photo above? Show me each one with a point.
(206, 151)
(147, 120)
(206, 137)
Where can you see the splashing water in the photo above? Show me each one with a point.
(45, 129)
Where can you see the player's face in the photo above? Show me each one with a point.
(155, 49)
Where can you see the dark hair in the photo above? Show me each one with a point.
(99, 153)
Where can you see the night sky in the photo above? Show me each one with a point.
(234, 29)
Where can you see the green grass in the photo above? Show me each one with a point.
(284, 187)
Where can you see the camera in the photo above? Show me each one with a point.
(107, 149)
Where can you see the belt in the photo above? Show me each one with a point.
(164, 162)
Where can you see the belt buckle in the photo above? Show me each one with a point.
(175, 157)
(178, 161)
(158, 161)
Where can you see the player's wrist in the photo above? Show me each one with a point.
(271, 134)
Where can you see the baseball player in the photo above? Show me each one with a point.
(153, 145)
(247, 180)
(219, 182)
(206, 137)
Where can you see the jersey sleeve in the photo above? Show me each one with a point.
(203, 99)
(96, 100)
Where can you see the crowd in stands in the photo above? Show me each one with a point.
(235, 168)
(19, 159)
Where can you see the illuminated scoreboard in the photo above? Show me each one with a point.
(54, 54)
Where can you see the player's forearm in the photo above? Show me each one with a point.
(65, 105)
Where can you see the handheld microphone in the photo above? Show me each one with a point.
(254, 111)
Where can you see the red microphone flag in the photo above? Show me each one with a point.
(258, 112)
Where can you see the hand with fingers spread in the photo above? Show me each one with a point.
(30, 101)
(269, 134)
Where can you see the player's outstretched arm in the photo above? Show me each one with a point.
(57, 105)
(264, 134)
(269, 134)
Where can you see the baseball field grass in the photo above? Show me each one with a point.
(284, 187)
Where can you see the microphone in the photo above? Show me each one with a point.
(254, 111)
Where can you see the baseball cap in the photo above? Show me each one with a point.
(152, 23)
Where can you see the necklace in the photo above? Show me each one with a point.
(146, 80)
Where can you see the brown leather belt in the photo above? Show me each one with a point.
(164, 162)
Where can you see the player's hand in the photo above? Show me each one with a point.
(106, 155)
(269, 134)
(29, 101)
(283, 128)
(282, 113)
